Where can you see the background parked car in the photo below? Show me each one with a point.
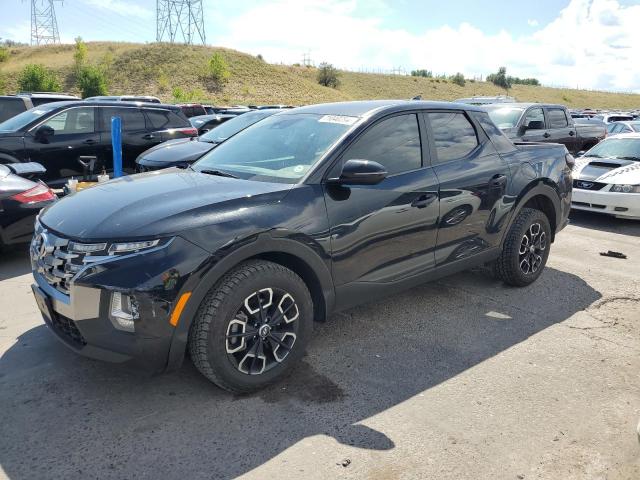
(12, 105)
(536, 122)
(124, 98)
(614, 117)
(623, 127)
(185, 151)
(58, 134)
(204, 123)
(607, 178)
(192, 109)
(21, 198)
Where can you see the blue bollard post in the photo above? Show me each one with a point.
(116, 143)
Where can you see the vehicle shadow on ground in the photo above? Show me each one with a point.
(14, 262)
(605, 223)
(69, 417)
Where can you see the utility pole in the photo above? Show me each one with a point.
(180, 21)
(44, 26)
(306, 59)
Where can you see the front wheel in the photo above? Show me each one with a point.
(526, 249)
(252, 327)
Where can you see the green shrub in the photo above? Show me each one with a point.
(37, 78)
(328, 75)
(500, 79)
(4, 54)
(183, 96)
(217, 69)
(163, 82)
(3, 84)
(422, 73)
(458, 79)
(91, 81)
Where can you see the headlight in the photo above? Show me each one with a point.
(116, 248)
(625, 188)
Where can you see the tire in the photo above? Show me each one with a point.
(224, 343)
(520, 265)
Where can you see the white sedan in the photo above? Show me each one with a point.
(606, 179)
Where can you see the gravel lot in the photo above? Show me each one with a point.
(462, 378)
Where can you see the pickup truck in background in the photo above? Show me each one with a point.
(536, 122)
(12, 105)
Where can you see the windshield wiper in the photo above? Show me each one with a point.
(219, 173)
(637, 159)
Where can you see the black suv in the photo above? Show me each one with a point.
(12, 105)
(308, 211)
(57, 135)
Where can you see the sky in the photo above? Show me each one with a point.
(592, 44)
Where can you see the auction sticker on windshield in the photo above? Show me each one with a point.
(341, 119)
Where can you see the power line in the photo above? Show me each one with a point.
(44, 26)
(180, 19)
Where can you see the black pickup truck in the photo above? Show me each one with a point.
(311, 210)
(548, 123)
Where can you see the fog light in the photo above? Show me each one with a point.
(124, 311)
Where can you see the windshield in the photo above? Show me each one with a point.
(231, 127)
(628, 148)
(504, 117)
(25, 118)
(281, 148)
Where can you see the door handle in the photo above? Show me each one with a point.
(90, 141)
(546, 135)
(149, 136)
(572, 133)
(498, 181)
(423, 201)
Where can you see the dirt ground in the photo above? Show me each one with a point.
(461, 378)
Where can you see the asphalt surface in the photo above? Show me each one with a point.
(462, 378)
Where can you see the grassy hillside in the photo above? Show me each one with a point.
(156, 69)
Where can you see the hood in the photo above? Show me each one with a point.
(607, 170)
(175, 151)
(155, 204)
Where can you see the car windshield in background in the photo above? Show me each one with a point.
(635, 126)
(281, 148)
(231, 127)
(504, 117)
(25, 118)
(627, 148)
(10, 107)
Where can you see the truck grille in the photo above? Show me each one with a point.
(52, 258)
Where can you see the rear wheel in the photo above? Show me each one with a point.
(526, 249)
(252, 327)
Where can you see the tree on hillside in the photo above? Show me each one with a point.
(328, 75)
(37, 78)
(500, 79)
(80, 54)
(217, 69)
(91, 81)
(458, 79)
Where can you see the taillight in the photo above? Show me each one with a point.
(188, 131)
(39, 193)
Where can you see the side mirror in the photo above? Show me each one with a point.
(361, 172)
(580, 153)
(43, 133)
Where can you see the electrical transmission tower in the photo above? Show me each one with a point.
(180, 20)
(44, 26)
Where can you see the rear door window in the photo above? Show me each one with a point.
(132, 119)
(557, 118)
(453, 135)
